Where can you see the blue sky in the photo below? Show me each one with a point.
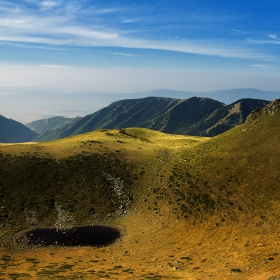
(80, 47)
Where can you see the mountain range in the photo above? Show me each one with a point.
(194, 116)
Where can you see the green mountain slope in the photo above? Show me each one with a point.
(193, 116)
(13, 131)
(44, 125)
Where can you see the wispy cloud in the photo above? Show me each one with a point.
(8, 9)
(12, 22)
(104, 11)
(46, 5)
(273, 36)
(239, 31)
(200, 47)
(125, 54)
(131, 20)
(32, 46)
(64, 27)
(32, 40)
(59, 31)
(86, 33)
(263, 42)
(274, 40)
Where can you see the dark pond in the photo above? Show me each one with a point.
(96, 236)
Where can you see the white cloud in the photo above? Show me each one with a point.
(239, 31)
(273, 36)
(36, 40)
(85, 32)
(104, 11)
(46, 5)
(264, 42)
(125, 54)
(51, 31)
(131, 20)
(200, 47)
(9, 9)
(12, 23)
(59, 31)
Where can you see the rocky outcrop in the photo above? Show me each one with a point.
(270, 109)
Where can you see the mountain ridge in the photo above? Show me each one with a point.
(194, 116)
(269, 109)
(43, 125)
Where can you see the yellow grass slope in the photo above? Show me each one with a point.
(203, 209)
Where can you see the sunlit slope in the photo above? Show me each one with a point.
(246, 161)
(190, 207)
(94, 177)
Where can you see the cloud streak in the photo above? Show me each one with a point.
(264, 42)
(273, 36)
(125, 54)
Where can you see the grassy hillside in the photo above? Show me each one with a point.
(193, 116)
(189, 207)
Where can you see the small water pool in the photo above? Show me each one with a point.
(95, 236)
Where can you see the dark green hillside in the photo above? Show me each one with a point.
(194, 116)
(126, 113)
(229, 116)
(44, 125)
(120, 114)
(12, 131)
(37, 184)
(189, 115)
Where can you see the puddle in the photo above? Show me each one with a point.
(95, 236)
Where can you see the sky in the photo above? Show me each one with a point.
(74, 57)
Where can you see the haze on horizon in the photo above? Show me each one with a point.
(72, 57)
